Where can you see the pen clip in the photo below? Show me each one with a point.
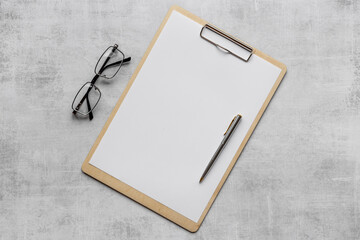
(231, 123)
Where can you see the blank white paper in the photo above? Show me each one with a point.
(174, 116)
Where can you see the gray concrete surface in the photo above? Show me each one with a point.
(298, 177)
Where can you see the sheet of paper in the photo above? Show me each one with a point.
(174, 116)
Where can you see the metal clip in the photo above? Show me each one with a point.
(229, 38)
(231, 123)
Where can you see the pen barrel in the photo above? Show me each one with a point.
(213, 159)
(217, 152)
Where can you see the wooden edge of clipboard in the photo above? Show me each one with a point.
(142, 198)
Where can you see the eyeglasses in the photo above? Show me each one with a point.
(107, 66)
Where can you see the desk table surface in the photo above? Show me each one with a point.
(297, 178)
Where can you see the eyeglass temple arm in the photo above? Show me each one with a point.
(89, 108)
(126, 60)
(93, 81)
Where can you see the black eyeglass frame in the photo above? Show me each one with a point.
(95, 78)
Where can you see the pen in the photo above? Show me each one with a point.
(227, 135)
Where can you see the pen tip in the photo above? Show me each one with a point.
(201, 179)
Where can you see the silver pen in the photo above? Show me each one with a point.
(227, 135)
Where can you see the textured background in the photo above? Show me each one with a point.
(298, 177)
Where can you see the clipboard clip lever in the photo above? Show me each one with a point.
(222, 48)
(230, 39)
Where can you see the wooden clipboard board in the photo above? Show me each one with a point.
(140, 197)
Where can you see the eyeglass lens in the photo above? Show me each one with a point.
(89, 95)
(109, 63)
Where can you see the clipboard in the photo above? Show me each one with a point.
(151, 192)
